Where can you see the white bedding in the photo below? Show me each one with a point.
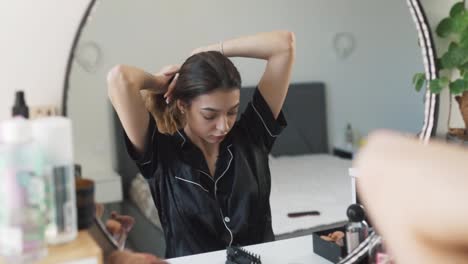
(309, 182)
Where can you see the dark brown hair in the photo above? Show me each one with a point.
(200, 74)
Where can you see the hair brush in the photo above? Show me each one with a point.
(237, 255)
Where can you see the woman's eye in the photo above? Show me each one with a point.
(209, 117)
(232, 113)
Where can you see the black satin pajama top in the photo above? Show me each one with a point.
(200, 213)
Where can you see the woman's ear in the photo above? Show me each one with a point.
(181, 106)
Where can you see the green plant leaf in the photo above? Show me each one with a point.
(445, 27)
(457, 9)
(465, 19)
(459, 22)
(463, 69)
(453, 45)
(447, 60)
(418, 81)
(435, 86)
(458, 86)
(464, 38)
(454, 57)
(444, 81)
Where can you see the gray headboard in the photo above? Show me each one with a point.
(305, 113)
(306, 133)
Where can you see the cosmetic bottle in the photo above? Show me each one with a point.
(20, 108)
(22, 194)
(357, 229)
(54, 136)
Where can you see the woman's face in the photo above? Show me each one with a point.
(211, 116)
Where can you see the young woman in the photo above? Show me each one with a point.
(208, 173)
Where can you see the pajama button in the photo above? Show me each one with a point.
(226, 219)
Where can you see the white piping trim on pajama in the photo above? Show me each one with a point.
(230, 232)
(182, 138)
(222, 216)
(209, 176)
(269, 132)
(192, 183)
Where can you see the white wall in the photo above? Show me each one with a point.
(36, 37)
(436, 10)
(371, 89)
(37, 40)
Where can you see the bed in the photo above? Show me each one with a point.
(304, 175)
(305, 183)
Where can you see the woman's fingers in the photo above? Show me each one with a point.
(99, 210)
(126, 221)
(113, 227)
(150, 259)
(170, 70)
(170, 89)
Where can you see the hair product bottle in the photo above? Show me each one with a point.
(20, 108)
(54, 136)
(357, 229)
(22, 195)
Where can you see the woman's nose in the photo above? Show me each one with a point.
(223, 124)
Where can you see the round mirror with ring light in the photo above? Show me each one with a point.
(352, 73)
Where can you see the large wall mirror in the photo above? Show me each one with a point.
(353, 73)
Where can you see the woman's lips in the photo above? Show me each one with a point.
(219, 138)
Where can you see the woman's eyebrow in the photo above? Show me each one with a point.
(217, 110)
(237, 105)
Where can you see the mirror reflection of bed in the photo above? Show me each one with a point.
(362, 79)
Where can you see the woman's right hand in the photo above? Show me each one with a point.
(119, 226)
(166, 79)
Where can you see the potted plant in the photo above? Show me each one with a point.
(453, 64)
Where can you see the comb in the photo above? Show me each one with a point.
(238, 255)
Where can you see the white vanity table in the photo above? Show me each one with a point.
(297, 250)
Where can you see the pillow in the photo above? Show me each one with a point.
(140, 195)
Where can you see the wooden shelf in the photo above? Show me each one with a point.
(83, 250)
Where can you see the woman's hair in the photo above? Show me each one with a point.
(202, 73)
